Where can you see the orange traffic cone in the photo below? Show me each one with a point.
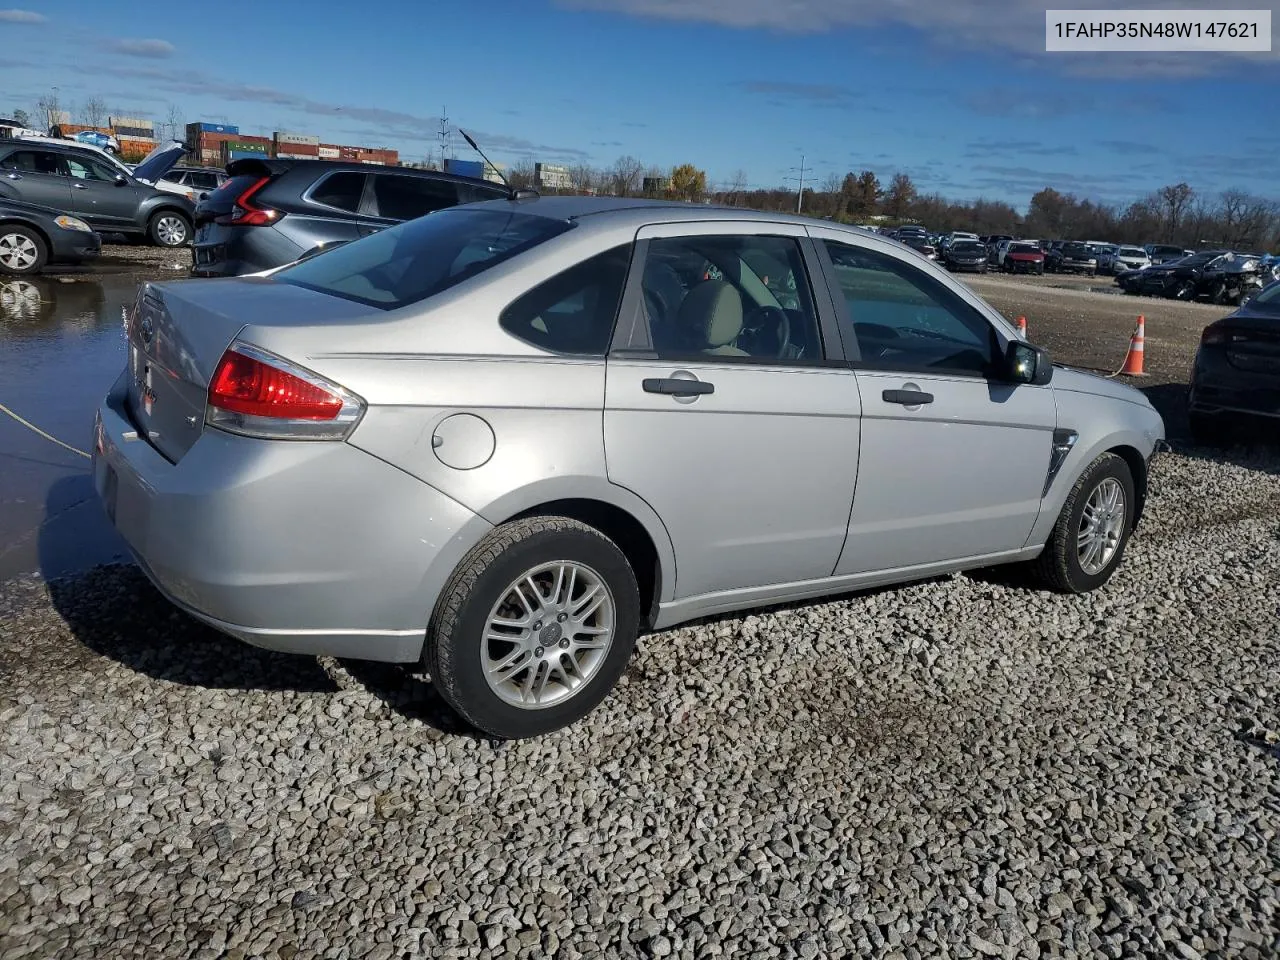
(1022, 326)
(1137, 348)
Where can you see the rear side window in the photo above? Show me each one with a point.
(420, 258)
(340, 190)
(33, 161)
(405, 198)
(573, 312)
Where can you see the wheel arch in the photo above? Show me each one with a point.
(1137, 464)
(28, 225)
(616, 512)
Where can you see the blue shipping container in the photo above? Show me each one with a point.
(218, 128)
(465, 168)
(245, 155)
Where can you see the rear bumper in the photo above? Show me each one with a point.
(1219, 387)
(237, 251)
(313, 548)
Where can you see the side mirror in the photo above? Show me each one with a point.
(1027, 364)
(121, 180)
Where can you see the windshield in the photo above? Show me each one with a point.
(1132, 252)
(422, 257)
(1270, 294)
(1023, 248)
(1076, 250)
(966, 246)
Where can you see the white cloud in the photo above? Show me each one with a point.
(21, 16)
(148, 49)
(1016, 29)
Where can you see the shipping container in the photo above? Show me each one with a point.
(231, 155)
(282, 136)
(328, 152)
(245, 146)
(214, 128)
(465, 168)
(348, 153)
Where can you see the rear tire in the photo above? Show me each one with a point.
(168, 228)
(466, 643)
(22, 251)
(1062, 566)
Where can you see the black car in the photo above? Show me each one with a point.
(1072, 257)
(1179, 279)
(107, 197)
(33, 236)
(272, 212)
(965, 255)
(1236, 377)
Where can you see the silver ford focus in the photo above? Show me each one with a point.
(504, 438)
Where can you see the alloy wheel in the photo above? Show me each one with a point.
(1101, 526)
(18, 252)
(172, 231)
(548, 634)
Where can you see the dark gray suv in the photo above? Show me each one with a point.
(272, 212)
(105, 196)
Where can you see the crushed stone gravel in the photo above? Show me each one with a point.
(967, 767)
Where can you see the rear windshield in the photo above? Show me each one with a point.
(232, 188)
(420, 258)
(1271, 294)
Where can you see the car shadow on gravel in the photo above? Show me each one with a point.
(113, 610)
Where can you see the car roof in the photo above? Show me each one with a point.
(643, 210)
(279, 165)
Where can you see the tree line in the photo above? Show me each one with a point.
(1175, 213)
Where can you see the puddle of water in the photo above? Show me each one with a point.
(61, 347)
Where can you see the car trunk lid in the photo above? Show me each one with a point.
(177, 333)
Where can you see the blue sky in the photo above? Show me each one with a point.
(960, 94)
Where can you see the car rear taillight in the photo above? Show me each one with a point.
(258, 394)
(246, 213)
(1213, 335)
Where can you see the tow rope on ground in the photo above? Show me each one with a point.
(31, 426)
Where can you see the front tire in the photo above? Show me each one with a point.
(534, 628)
(1089, 539)
(169, 229)
(22, 251)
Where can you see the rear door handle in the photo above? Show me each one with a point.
(908, 398)
(14, 176)
(677, 386)
(80, 186)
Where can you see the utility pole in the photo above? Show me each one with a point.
(444, 136)
(801, 178)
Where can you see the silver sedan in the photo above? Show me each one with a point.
(503, 439)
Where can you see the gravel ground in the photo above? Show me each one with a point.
(962, 768)
(968, 767)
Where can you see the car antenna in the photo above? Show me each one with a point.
(515, 194)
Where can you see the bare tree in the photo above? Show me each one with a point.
(47, 107)
(522, 175)
(737, 187)
(93, 112)
(174, 123)
(1175, 198)
(624, 176)
(585, 178)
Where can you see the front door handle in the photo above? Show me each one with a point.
(677, 386)
(908, 398)
(14, 176)
(80, 186)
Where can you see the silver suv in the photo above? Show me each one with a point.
(502, 439)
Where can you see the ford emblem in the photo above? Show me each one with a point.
(148, 329)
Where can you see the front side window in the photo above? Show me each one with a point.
(745, 297)
(406, 198)
(574, 311)
(418, 259)
(903, 319)
(340, 190)
(33, 161)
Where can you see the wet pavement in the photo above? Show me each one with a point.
(61, 347)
